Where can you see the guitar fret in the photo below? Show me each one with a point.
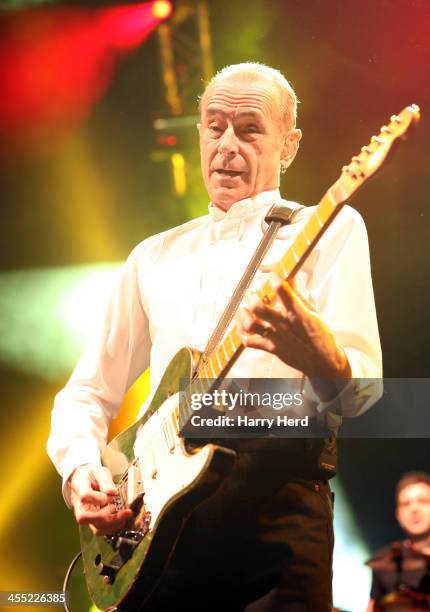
(234, 339)
(206, 371)
(313, 227)
(306, 237)
(281, 270)
(218, 356)
(230, 339)
(214, 373)
(226, 355)
(289, 262)
(300, 245)
(318, 218)
(327, 205)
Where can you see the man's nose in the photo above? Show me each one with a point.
(228, 145)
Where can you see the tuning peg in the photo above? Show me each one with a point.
(366, 150)
(356, 159)
(385, 130)
(395, 119)
(376, 139)
(349, 171)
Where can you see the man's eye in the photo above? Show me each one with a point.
(251, 129)
(215, 129)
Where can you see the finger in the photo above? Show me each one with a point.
(113, 526)
(244, 318)
(107, 531)
(292, 298)
(269, 317)
(104, 518)
(305, 301)
(258, 341)
(92, 478)
(104, 481)
(287, 295)
(84, 493)
(95, 498)
(92, 514)
(252, 324)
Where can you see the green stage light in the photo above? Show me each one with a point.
(46, 315)
(350, 553)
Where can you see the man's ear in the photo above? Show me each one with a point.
(291, 146)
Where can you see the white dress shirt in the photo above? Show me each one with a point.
(171, 293)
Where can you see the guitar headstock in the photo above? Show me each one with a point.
(372, 156)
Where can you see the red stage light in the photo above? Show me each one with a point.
(167, 140)
(162, 9)
(55, 63)
(171, 140)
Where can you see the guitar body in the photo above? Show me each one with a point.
(173, 482)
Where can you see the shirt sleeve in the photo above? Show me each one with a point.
(341, 288)
(115, 356)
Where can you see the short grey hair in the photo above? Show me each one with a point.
(255, 70)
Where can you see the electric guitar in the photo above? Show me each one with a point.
(157, 475)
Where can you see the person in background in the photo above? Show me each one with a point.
(406, 563)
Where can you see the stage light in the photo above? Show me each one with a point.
(58, 61)
(65, 306)
(179, 177)
(162, 9)
(171, 140)
(167, 140)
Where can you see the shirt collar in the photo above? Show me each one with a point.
(245, 207)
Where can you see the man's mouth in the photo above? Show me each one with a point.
(224, 172)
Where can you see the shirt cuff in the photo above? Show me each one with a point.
(357, 396)
(81, 452)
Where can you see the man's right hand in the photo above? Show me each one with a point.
(92, 495)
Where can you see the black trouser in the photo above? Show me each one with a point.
(262, 543)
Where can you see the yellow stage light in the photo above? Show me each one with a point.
(162, 9)
(179, 177)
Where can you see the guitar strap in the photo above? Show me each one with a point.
(277, 217)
